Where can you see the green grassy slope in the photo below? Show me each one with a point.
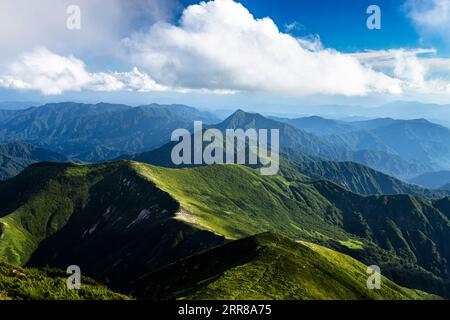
(406, 235)
(268, 266)
(49, 284)
(237, 201)
(125, 219)
(412, 232)
(114, 224)
(353, 176)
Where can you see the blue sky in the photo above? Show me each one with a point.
(224, 54)
(341, 24)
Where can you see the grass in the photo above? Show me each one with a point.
(48, 212)
(237, 201)
(49, 199)
(352, 244)
(269, 266)
(105, 218)
(50, 284)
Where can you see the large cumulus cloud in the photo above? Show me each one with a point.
(219, 45)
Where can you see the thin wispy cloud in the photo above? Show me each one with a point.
(293, 26)
(431, 18)
(419, 69)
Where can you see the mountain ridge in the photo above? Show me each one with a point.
(98, 132)
(268, 266)
(356, 177)
(16, 156)
(196, 212)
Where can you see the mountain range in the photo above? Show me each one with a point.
(150, 230)
(91, 133)
(364, 180)
(361, 146)
(303, 140)
(417, 145)
(125, 220)
(403, 110)
(16, 156)
(434, 180)
(303, 152)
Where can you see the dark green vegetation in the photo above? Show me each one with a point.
(137, 227)
(329, 147)
(351, 175)
(93, 133)
(307, 142)
(363, 180)
(16, 156)
(405, 235)
(113, 222)
(49, 284)
(123, 220)
(268, 266)
(97, 132)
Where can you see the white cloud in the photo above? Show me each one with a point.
(385, 59)
(216, 47)
(436, 65)
(403, 64)
(134, 80)
(379, 56)
(26, 24)
(219, 45)
(417, 68)
(409, 67)
(52, 74)
(430, 17)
